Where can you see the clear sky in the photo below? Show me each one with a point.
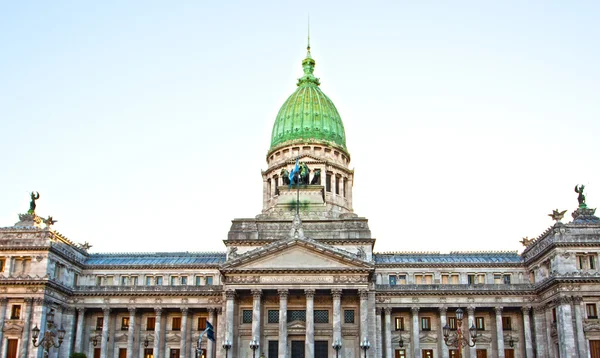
(144, 125)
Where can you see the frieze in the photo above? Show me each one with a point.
(242, 279)
(350, 279)
(297, 279)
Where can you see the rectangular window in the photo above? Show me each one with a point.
(184, 280)
(148, 280)
(402, 279)
(506, 279)
(2, 263)
(348, 316)
(198, 280)
(124, 280)
(321, 316)
(480, 323)
(497, 279)
(296, 315)
(174, 353)
(592, 261)
(471, 279)
(328, 182)
(481, 353)
(99, 323)
(506, 323)
(590, 308)
(554, 315)
(209, 280)
(345, 187)
(392, 280)
(76, 279)
(124, 323)
(201, 323)
(273, 316)
(453, 353)
(428, 279)
(581, 262)
(247, 316)
(15, 312)
(400, 353)
(109, 281)
(337, 184)
(148, 353)
(399, 323)
(425, 324)
(159, 280)
(452, 323)
(174, 280)
(176, 324)
(134, 280)
(150, 323)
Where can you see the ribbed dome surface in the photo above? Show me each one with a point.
(308, 114)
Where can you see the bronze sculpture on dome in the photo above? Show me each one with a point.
(580, 197)
(34, 196)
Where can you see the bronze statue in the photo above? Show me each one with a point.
(557, 215)
(50, 221)
(580, 197)
(285, 176)
(304, 173)
(527, 241)
(34, 196)
(316, 180)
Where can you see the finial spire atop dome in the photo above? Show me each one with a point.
(308, 46)
(308, 66)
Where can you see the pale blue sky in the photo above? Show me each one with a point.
(145, 124)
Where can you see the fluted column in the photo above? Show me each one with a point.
(27, 327)
(581, 341)
(380, 331)
(388, 332)
(364, 313)
(3, 303)
(549, 324)
(499, 332)
(310, 323)
(79, 334)
(443, 320)
(566, 334)
(218, 350)
(210, 345)
(157, 332)
(283, 298)
(229, 307)
(184, 332)
(131, 332)
(415, 332)
(256, 315)
(105, 326)
(337, 315)
(68, 345)
(527, 331)
(539, 323)
(467, 335)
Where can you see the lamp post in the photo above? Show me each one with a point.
(337, 345)
(254, 346)
(365, 345)
(226, 347)
(49, 338)
(146, 341)
(458, 340)
(401, 342)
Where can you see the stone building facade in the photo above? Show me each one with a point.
(301, 276)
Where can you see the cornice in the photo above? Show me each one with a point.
(216, 290)
(300, 271)
(259, 242)
(150, 267)
(449, 264)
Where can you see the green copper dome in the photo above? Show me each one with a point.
(308, 115)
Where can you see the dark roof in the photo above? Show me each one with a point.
(156, 258)
(451, 258)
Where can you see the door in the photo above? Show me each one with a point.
(297, 349)
(482, 353)
(509, 353)
(595, 349)
(453, 353)
(273, 349)
(400, 353)
(122, 352)
(427, 353)
(97, 352)
(174, 353)
(11, 348)
(321, 349)
(148, 353)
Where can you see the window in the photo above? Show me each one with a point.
(184, 280)
(99, 281)
(2, 264)
(497, 279)
(76, 279)
(296, 315)
(506, 323)
(174, 280)
(393, 280)
(124, 323)
(450, 279)
(328, 182)
(399, 323)
(15, 312)
(506, 279)
(159, 280)
(321, 316)
(273, 349)
(400, 353)
(148, 280)
(471, 279)
(247, 316)
(201, 323)
(480, 323)
(345, 187)
(198, 280)
(592, 262)
(273, 316)
(586, 261)
(134, 280)
(423, 279)
(209, 280)
(148, 353)
(109, 281)
(348, 316)
(124, 280)
(176, 324)
(337, 184)
(99, 323)
(150, 323)
(402, 279)
(590, 308)
(554, 315)
(452, 323)
(425, 324)
(453, 353)
(174, 353)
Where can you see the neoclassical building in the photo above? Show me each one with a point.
(302, 277)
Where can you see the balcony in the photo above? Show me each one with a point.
(146, 290)
(521, 288)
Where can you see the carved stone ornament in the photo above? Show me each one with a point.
(215, 300)
(158, 301)
(184, 300)
(309, 293)
(526, 309)
(414, 310)
(242, 279)
(378, 310)
(415, 299)
(336, 293)
(498, 310)
(256, 294)
(383, 300)
(388, 310)
(443, 310)
(364, 294)
(577, 300)
(230, 294)
(350, 279)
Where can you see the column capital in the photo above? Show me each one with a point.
(526, 309)
(3, 301)
(185, 310)
(563, 300)
(364, 294)
(498, 310)
(378, 310)
(283, 293)
(337, 292)
(470, 310)
(310, 293)
(106, 310)
(211, 310)
(158, 311)
(414, 310)
(81, 310)
(131, 310)
(577, 299)
(230, 294)
(443, 310)
(69, 310)
(539, 309)
(387, 310)
(256, 293)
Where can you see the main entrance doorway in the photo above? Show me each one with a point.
(297, 349)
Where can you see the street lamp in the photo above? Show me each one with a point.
(401, 342)
(458, 341)
(48, 340)
(226, 347)
(365, 345)
(337, 345)
(146, 341)
(254, 346)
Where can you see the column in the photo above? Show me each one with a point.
(27, 327)
(310, 323)
(104, 343)
(157, 332)
(415, 332)
(443, 321)
(184, 332)
(467, 334)
(67, 347)
(229, 307)
(39, 309)
(581, 341)
(388, 332)
(210, 345)
(527, 332)
(3, 304)
(364, 312)
(221, 333)
(337, 315)
(130, 332)
(550, 324)
(79, 334)
(283, 296)
(539, 323)
(566, 334)
(499, 332)
(379, 328)
(256, 295)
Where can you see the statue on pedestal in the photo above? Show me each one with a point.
(34, 196)
(580, 197)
